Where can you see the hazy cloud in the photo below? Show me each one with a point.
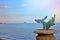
(5, 7)
(57, 4)
(24, 5)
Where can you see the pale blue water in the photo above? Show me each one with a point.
(21, 31)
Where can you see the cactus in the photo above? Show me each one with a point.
(46, 25)
(51, 22)
(42, 21)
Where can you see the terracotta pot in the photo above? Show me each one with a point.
(45, 34)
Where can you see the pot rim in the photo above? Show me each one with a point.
(41, 31)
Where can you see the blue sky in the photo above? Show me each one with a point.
(13, 11)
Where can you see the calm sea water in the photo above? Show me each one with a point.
(23, 31)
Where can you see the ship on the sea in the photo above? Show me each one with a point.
(25, 22)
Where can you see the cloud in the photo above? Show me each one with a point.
(24, 5)
(5, 7)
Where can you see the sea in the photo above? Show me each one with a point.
(24, 31)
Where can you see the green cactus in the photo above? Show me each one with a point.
(42, 21)
(51, 22)
(46, 25)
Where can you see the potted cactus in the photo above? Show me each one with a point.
(46, 33)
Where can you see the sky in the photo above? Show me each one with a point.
(19, 11)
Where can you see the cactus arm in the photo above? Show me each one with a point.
(42, 21)
(38, 20)
(51, 22)
(44, 18)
